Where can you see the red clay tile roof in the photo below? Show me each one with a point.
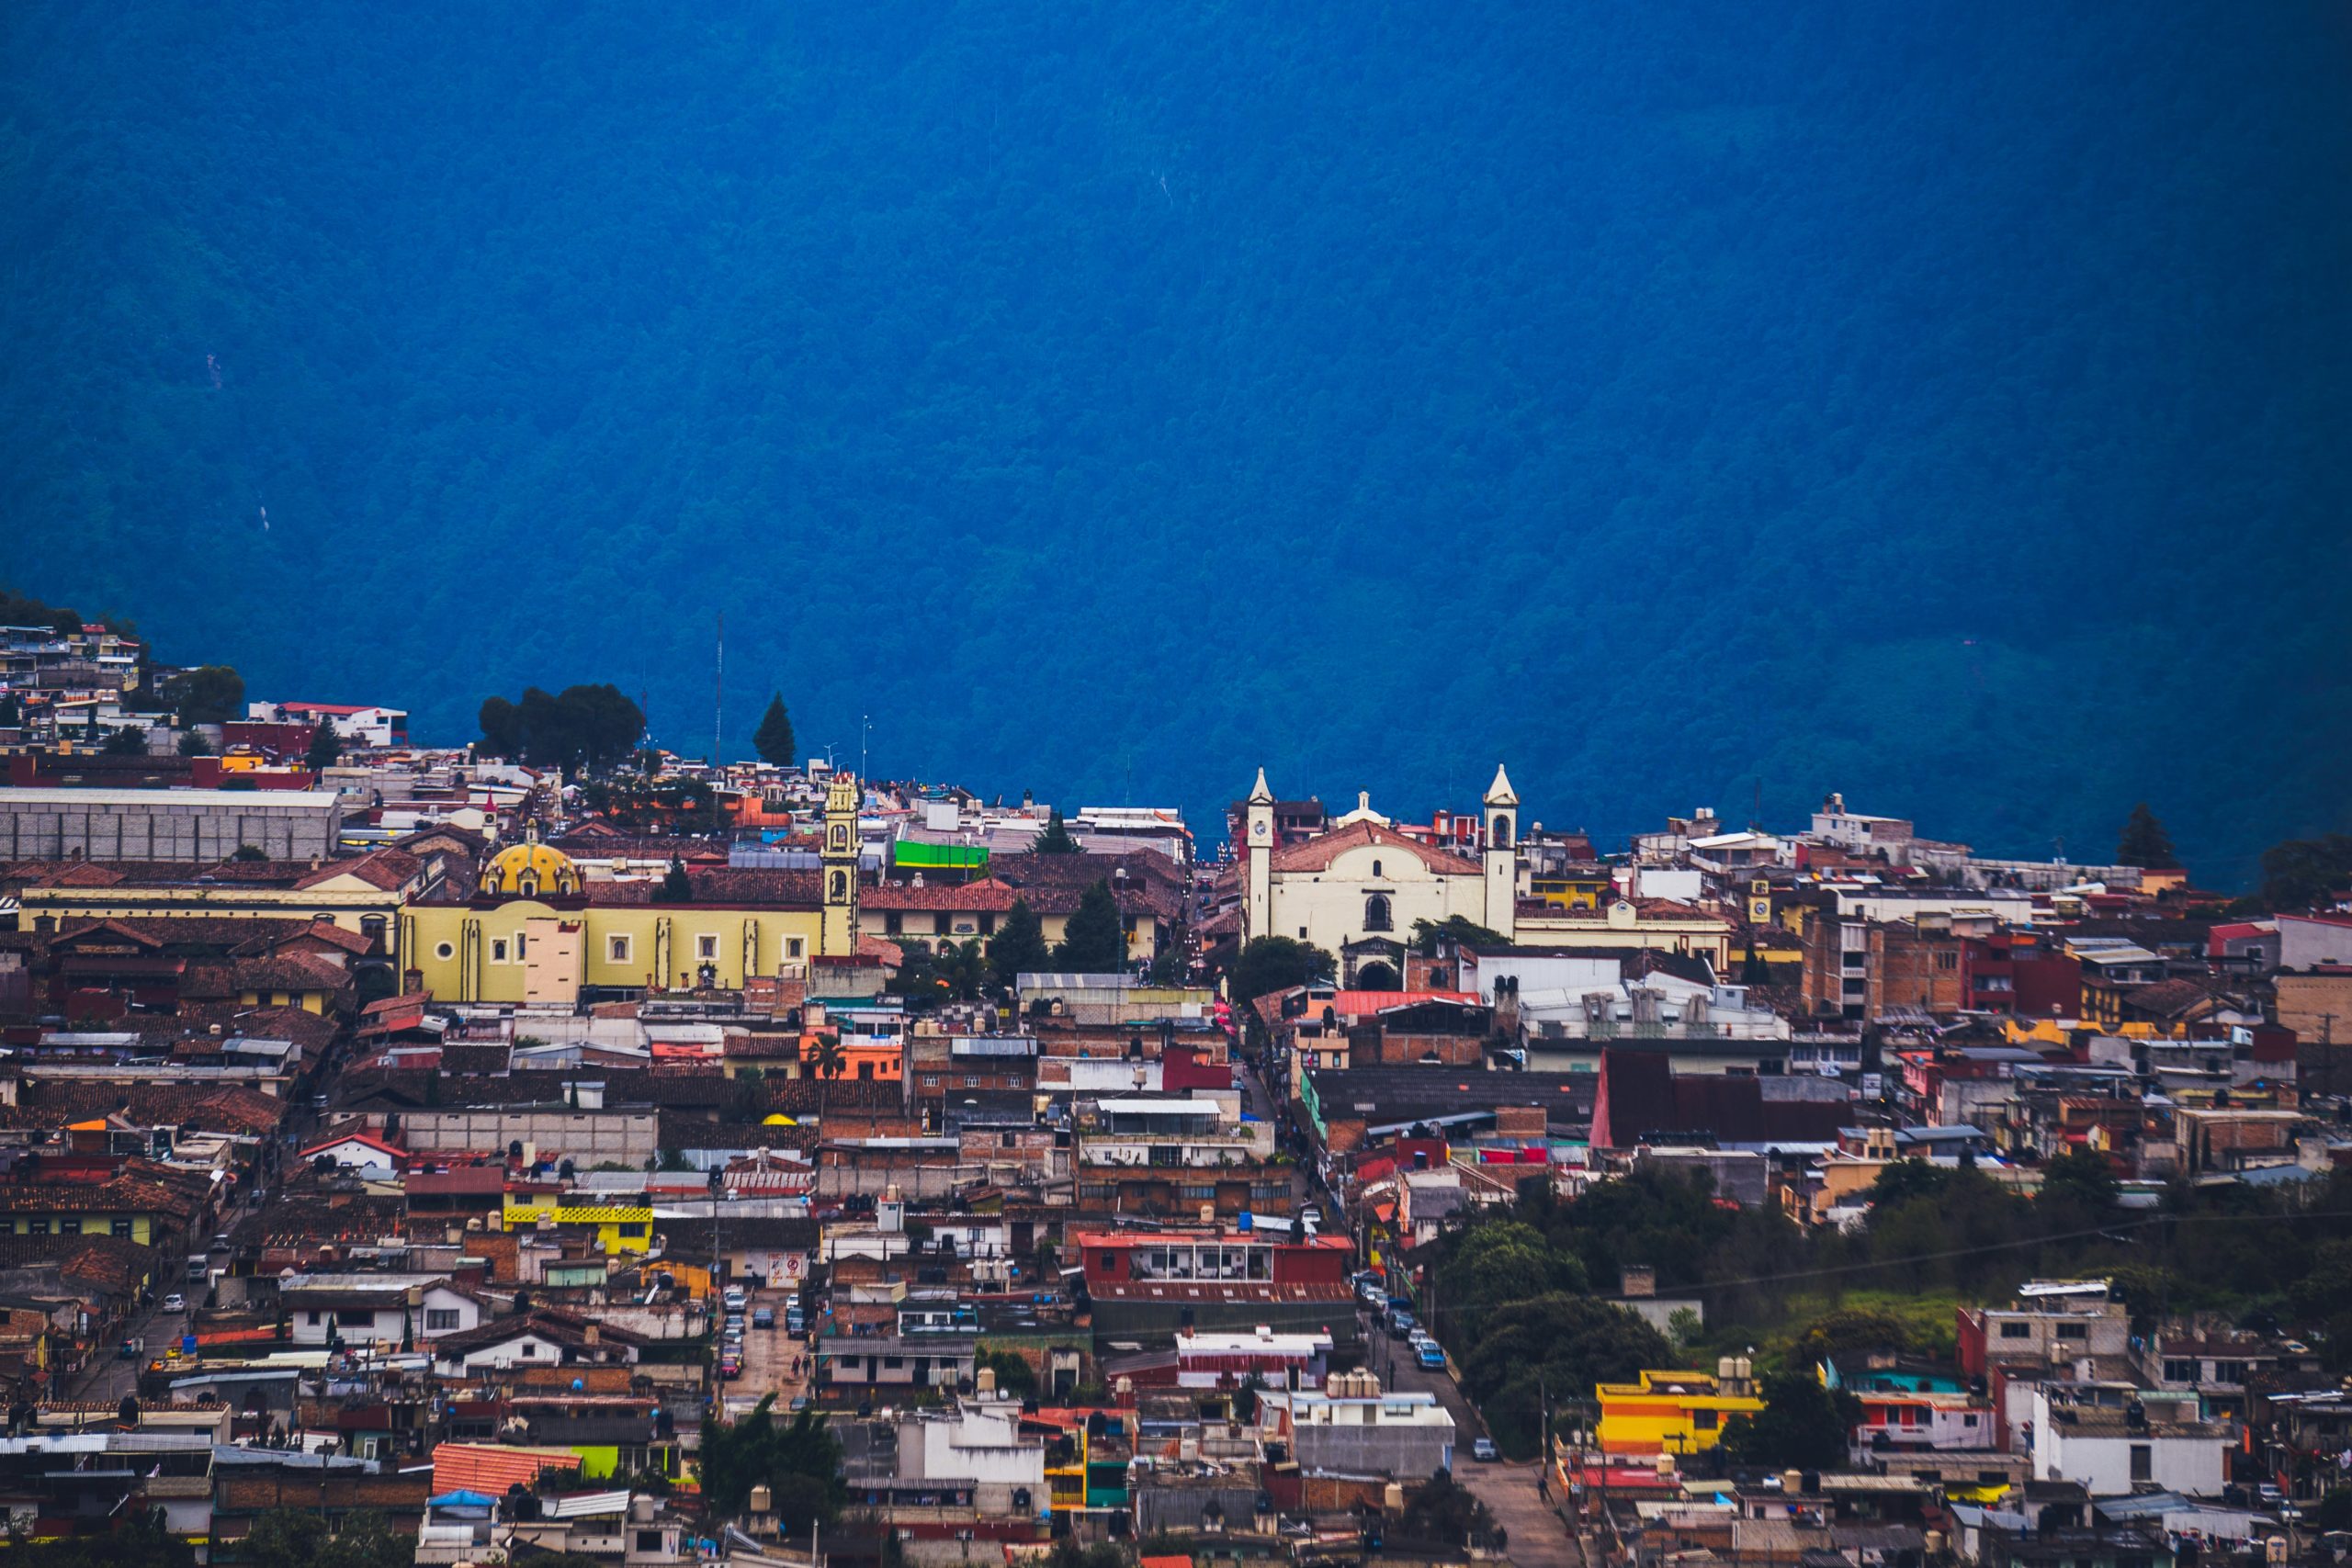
(724, 890)
(1317, 853)
(988, 893)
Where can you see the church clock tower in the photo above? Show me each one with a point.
(1257, 850)
(1500, 861)
(839, 860)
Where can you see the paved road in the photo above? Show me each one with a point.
(768, 1356)
(1538, 1537)
(109, 1377)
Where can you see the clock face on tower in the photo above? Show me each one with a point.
(1257, 830)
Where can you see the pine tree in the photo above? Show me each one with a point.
(1055, 840)
(1094, 943)
(2144, 843)
(774, 739)
(326, 745)
(1019, 946)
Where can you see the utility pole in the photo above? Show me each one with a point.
(1543, 1439)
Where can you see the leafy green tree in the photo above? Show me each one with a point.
(2084, 1181)
(12, 712)
(963, 966)
(1460, 928)
(1276, 964)
(250, 852)
(1018, 947)
(2144, 841)
(1803, 1425)
(1014, 1375)
(210, 693)
(1093, 942)
(1903, 1179)
(918, 981)
(800, 1462)
(1498, 1261)
(1564, 1343)
(677, 888)
(1054, 837)
(326, 745)
(125, 743)
(774, 739)
(2300, 872)
(141, 1541)
(294, 1538)
(1849, 1331)
(1442, 1509)
(194, 744)
(502, 727)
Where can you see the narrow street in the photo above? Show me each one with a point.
(768, 1358)
(1539, 1536)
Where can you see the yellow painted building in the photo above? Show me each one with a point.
(619, 1227)
(1673, 1411)
(535, 930)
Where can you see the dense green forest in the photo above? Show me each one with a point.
(1939, 402)
(1511, 1295)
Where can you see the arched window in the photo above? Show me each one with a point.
(1375, 868)
(1376, 913)
(841, 887)
(1500, 837)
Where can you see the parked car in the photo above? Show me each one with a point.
(1432, 1358)
(764, 1318)
(175, 1302)
(1400, 1323)
(736, 1298)
(1483, 1449)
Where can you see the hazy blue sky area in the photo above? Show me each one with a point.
(1944, 403)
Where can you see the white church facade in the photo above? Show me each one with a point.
(1356, 890)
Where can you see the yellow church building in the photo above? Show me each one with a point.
(535, 929)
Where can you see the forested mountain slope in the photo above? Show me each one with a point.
(1941, 402)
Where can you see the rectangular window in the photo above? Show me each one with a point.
(2229, 1372)
(2074, 1331)
(440, 1320)
(70, 1227)
(36, 1227)
(648, 1542)
(2180, 1372)
(2143, 1464)
(619, 950)
(498, 950)
(1200, 1194)
(2016, 1331)
(1947, 960)
(706, 947)
(121, 1227)
(1703, 1420)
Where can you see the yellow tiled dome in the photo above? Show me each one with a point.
(530, 871)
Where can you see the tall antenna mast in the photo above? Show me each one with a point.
(718, 698)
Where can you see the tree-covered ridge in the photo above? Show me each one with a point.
(1936, 402)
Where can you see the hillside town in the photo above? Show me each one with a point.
(557, 1149)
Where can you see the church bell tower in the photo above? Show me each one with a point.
(1500, 861)
(1257, 850)
(839, 861)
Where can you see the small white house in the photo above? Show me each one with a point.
(2112, 1452)
(362, 1154)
